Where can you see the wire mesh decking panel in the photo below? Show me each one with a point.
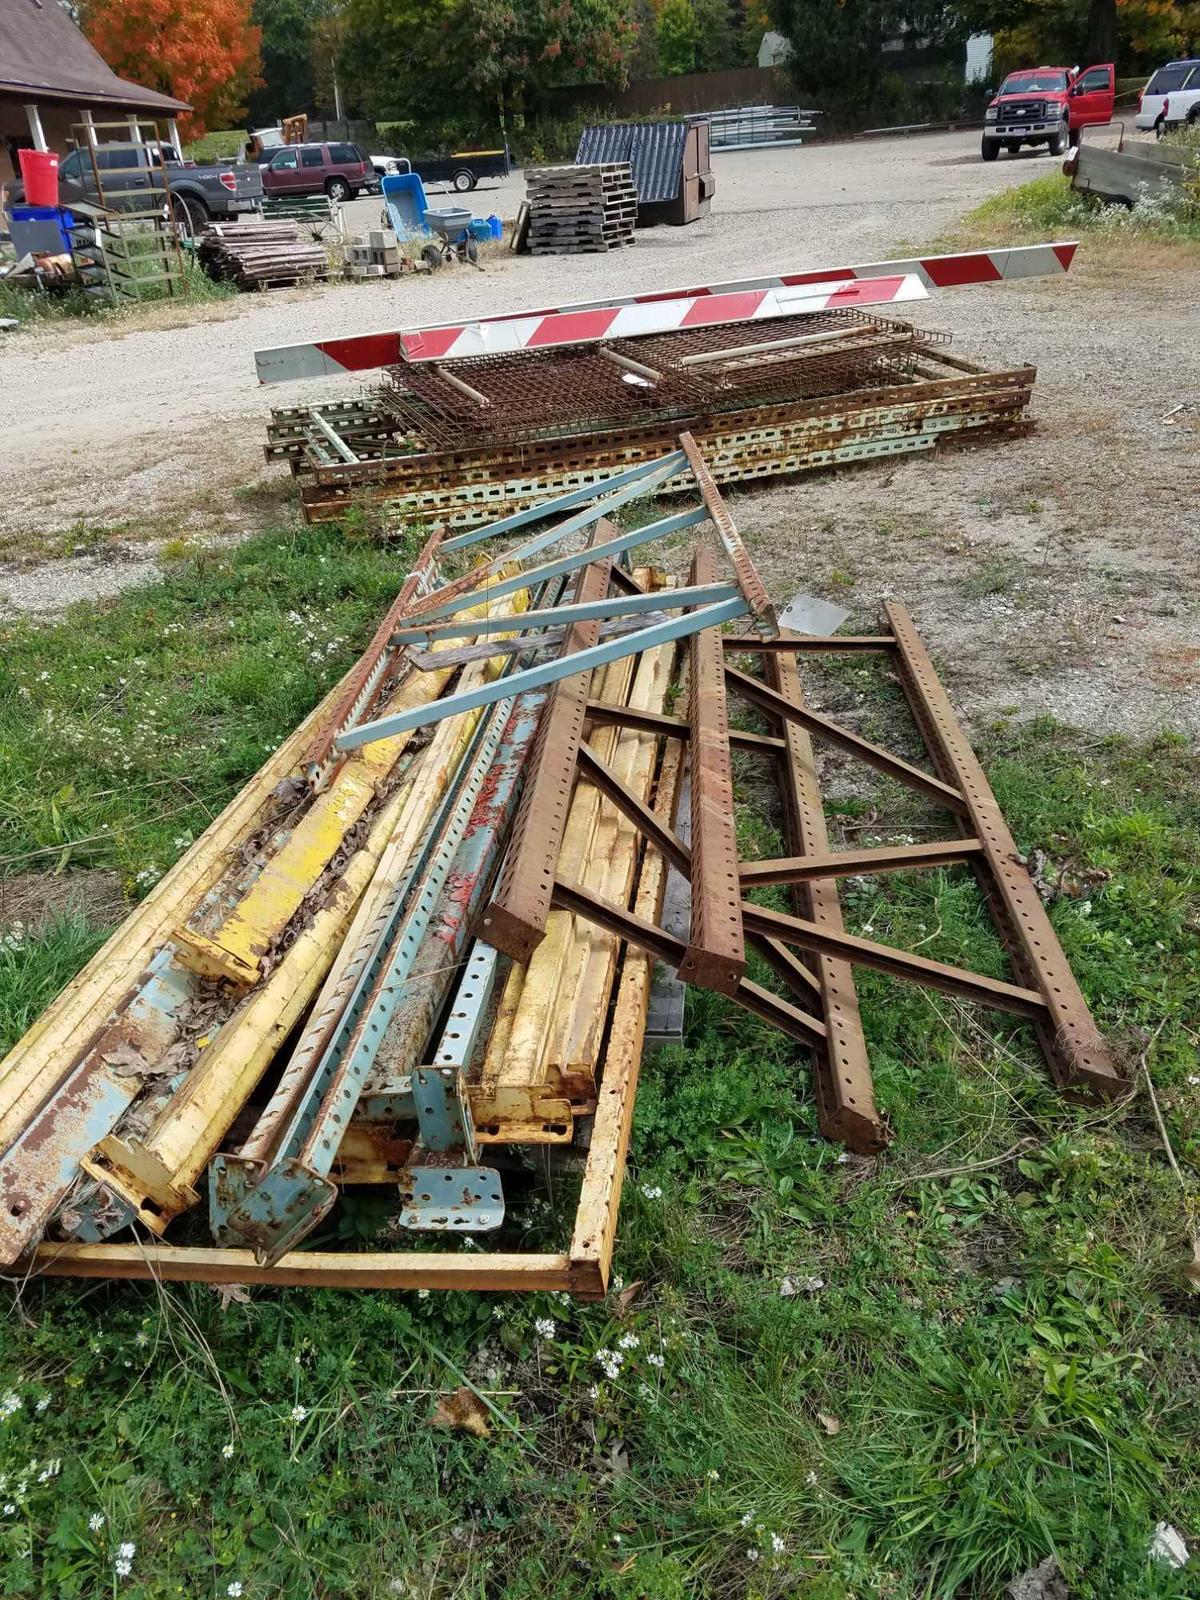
(526, 396)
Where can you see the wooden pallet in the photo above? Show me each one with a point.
(581, 210)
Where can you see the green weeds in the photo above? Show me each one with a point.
(902, 1378)
(1050, 208)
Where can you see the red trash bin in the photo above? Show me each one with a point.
(39, 173)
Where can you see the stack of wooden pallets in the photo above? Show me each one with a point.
(255, 254)
(574, 210)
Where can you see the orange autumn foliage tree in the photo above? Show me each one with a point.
(203, 51)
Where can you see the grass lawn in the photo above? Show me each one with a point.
(820, 1376)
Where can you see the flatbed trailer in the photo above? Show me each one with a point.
(462, 169)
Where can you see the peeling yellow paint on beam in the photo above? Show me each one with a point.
(525, 1057)
(164, 1166)
(38, 1063)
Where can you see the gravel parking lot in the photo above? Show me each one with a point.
(163, 420)
(1055, 573)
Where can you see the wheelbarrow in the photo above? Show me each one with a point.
(452, 224)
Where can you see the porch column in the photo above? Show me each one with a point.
(34, 118)
(135, 132)
(173, 131)
(89, 131)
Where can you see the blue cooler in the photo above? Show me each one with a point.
(41, 230)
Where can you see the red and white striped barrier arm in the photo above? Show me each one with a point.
(624, 316)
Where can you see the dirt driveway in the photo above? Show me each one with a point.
(159, 423)
(1058, 573)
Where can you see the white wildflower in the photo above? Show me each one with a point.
(713, 1475)
(96, 1521)
(9, 1508)
(652, 1191)
(628, 1341)
(127, 1551)
(751, 1554)
(777, 1544)
(747, 1519)
(299, 1413)
(234, 1590)
(122, 1568)
(611, 1361)
(227, 1451)
(43, 1403)
(422, 1294)
(594, 1392)
(10, 1404)
(811, 1479)
(656, 1360)
(545, 1327)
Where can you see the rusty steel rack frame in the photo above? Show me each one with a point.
(943, 402)
(808, 949)
(823, 1012)
(577, 391)
(1046, 994)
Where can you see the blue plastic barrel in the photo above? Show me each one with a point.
(495, 226)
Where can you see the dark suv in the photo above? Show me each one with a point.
(338, 170)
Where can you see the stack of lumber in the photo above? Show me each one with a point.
(256, 254)
(573, 210)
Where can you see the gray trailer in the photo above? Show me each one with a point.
(1122, 176)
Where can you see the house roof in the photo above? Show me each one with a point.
(43, 56)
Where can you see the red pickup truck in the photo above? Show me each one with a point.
(1047, 105)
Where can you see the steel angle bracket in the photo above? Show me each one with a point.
(469, 1008)
(440, 1199)
(749, 583)
(443, 1111)
(271, 1211)
(291, 1200)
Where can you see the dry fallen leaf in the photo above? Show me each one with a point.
(123, 1058)
(830, 1424)
(627, 1296)
(462, 1411)
(231, 1294)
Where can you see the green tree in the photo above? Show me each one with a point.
(838, 44)
(678, 37)
(421, 61)
(1135, 34)
(287, 57)
(698, 36)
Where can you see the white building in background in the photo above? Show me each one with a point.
(774, 50)
(979, 58)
